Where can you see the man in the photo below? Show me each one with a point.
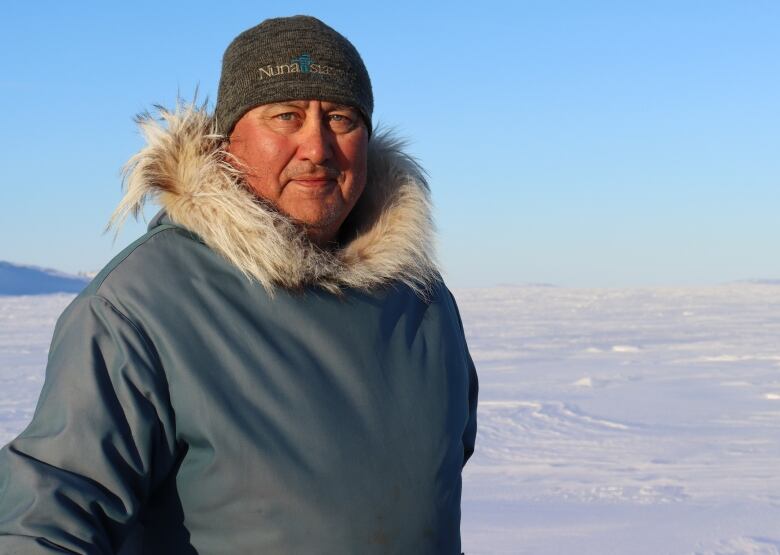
(276, 366)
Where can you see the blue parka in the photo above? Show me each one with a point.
(261, 396)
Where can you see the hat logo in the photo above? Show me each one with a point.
(304, 62)
(301, 64)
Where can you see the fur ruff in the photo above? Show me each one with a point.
(387, 237)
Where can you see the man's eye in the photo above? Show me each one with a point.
(341, 122)
(285, 121)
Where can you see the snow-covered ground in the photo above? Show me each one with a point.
(625, 421)
(26, 326)
(628, 421)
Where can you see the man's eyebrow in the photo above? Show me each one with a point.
(336, 106)
(293, 103)
(305, 104)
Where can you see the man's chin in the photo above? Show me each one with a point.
(320, 231)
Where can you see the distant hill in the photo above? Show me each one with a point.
(31, 280)
(761, 281)
(525, 284)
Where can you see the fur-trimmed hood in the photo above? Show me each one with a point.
(387, 237)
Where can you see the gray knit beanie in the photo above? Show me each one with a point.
(290, 58)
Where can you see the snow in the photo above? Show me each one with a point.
(625, 421)
(637, 421)
(26, 326)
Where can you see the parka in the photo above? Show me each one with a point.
(225, 386)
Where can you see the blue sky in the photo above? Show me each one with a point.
(591, 143)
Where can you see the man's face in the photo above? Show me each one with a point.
(307, 157)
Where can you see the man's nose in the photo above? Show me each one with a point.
(316, 142)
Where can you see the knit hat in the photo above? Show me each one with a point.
(290, 58)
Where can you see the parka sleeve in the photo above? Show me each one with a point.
(470, 432)
(101, 439)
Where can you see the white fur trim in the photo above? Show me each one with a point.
(183, 168)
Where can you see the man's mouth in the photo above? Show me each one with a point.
(314, 180)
